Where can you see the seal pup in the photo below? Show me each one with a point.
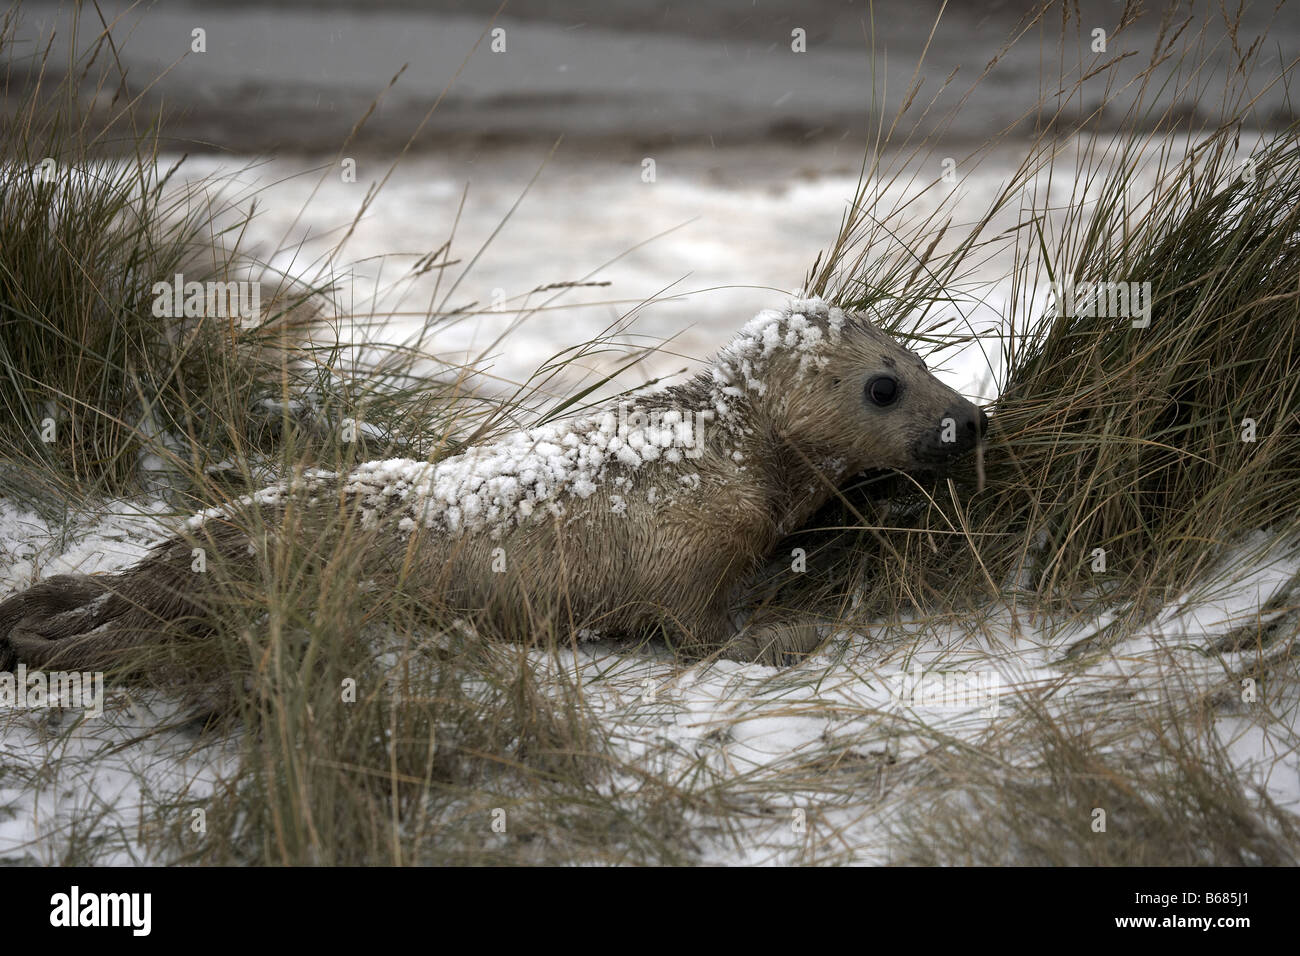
(645, 516)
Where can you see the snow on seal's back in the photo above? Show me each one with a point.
(497, 486)
(493, 487)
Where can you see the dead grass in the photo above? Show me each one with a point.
(371, 726)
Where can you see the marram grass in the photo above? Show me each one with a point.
(1127, 452)
(371, 727)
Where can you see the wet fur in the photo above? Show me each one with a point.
(671, 568)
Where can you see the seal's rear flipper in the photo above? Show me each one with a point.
(78, 622)
(57, 607)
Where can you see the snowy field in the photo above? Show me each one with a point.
(718, 236)
(86, 788)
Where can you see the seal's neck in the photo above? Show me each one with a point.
(800, 480)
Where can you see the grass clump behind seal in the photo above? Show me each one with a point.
(1161, 445)
(95, 381)
(1127, 452)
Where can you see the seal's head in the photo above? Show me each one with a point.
(837, 387)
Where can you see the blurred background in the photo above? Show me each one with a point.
(691, 156)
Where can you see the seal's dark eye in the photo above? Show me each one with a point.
(883, 390)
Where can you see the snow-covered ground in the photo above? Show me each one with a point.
(873, 703)
(711, 224)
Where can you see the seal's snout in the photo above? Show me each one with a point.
(959, 430)
(971, 424)
(976, 424)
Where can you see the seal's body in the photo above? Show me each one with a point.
(646, 516)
